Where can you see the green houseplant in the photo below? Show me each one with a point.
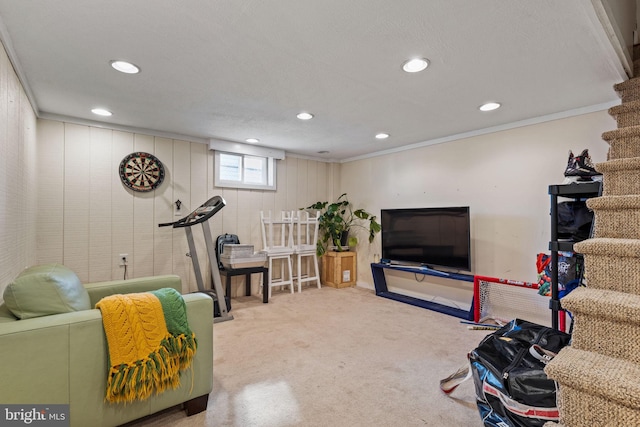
(337, 219)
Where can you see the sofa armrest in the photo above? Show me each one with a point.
(35, 357)
(63, 359)
(88, 361)
(99, 290)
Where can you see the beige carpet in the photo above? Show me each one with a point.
(334, 357)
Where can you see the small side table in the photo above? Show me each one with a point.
(247, 272)
(339, 269)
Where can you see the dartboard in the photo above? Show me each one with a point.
(141, 171)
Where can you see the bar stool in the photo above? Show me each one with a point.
(304, 248)
(277, 244)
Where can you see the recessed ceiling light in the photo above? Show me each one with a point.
(323, 152)
(382, 135)
(489, 106)
(125, 67)
(415, 65)
(102, 112)
(252, 140)
(305, 116)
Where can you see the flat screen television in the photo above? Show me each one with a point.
(437, 237)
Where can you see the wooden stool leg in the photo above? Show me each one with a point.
(265, 286)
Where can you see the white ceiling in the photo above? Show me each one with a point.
(235, 69)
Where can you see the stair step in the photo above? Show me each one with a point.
(620, 176)
(605, 322)
(612, 305)
(596, 390)
(627, 114)
(612, 264)
(616, 216)
(579, 408)
(629, 90)
(624, 142)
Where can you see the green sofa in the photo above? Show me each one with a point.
(63, 358)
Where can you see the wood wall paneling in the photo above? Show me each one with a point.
(199, 195)
(98, 218)
(181, 180)
(7, 272)
(50, 212)
(163, 211)
(18, 165)
(100, 178)
(143, 215)
(77, 191)
(121, 207)
(29, 129)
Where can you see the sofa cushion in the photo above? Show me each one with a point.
(6, 315)
(45, 289)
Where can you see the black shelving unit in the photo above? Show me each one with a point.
(575, 191)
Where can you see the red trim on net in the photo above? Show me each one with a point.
(476, 290)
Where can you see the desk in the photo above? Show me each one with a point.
(247, 272)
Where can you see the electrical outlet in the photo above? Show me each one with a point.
(123, 259)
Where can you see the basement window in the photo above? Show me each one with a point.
(244, 171)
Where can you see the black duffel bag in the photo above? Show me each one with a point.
(507, 368)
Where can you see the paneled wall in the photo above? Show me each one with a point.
(91, 217)
(18, 168)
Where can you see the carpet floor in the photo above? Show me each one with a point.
(334, 357)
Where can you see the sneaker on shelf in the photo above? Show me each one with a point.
(580, 168)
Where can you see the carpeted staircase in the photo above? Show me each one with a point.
(599, 374)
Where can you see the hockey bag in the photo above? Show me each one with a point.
(507, 368)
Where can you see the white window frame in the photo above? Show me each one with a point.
(268, 173)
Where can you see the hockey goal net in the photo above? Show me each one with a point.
(509, 299)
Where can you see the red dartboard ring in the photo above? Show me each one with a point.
(141, 171)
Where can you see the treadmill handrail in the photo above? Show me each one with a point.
(201, 214)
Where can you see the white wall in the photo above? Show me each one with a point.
(503, 177)
(18, 170)
(621, 17)
(91, 217)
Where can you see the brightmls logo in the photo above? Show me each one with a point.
(34, 415)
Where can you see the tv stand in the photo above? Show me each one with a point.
(380, 283)
(421, 269)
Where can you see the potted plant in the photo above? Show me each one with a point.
(337, 219)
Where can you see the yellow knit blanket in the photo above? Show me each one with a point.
(149, 340)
